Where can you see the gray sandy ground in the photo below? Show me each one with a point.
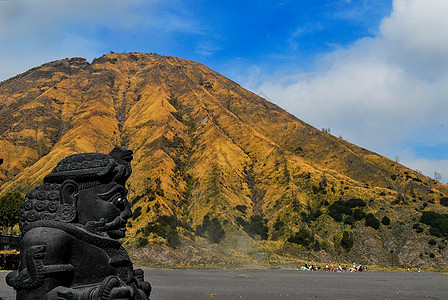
(286, 284)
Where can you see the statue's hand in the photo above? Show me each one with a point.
(122, 293)
(113, 288)
(141, 283)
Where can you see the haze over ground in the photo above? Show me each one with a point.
(374, 72)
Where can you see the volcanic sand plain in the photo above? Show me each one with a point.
(285, 284)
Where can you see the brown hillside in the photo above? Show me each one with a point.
(216, 168)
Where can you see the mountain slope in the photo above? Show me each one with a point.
(215, 164)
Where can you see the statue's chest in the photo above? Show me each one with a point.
(94, 264)
(120, 261)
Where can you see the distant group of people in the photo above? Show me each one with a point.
(418, 270)
(359, 268)
(308, 268)
(332, 268)
(339, 268)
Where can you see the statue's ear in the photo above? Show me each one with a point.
(69, 190)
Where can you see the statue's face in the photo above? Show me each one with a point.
(105, 202)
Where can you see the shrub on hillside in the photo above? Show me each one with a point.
(356, 202)
(305, 217)
(172, 238)
(385, 221)
(350, 220)
(435, 232)
(137, 212)
(278, 225)
(438, 223)
(166, 227)
(315, 215)
(278, 229)
(340, 207)
(142, 242)
(241, 208)
(256, 228)
(211, 229)
(303, 237)
(358, 214)
(372, 221)
(336, 216)
(351, 207)
(347, 241)
(430, 217)
(444, 201)
(418, 227)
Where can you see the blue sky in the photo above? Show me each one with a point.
(375, 72)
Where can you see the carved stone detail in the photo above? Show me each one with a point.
(70, 228)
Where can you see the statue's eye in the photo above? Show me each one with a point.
(116, 199)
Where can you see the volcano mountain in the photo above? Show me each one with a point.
(220, 175)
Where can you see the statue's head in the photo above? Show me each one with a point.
(87, 189)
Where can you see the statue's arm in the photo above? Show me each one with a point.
(45, 271)
(44, 261)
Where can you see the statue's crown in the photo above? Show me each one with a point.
(87, 167)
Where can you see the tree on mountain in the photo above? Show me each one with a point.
(9, 209)
(437, 176)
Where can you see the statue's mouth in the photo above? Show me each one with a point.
(117, 234)
(117, 224)
(115, 229)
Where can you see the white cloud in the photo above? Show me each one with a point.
(416, 35)
(207, 48)
(380, 92)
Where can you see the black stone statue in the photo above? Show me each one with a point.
(70, 225)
